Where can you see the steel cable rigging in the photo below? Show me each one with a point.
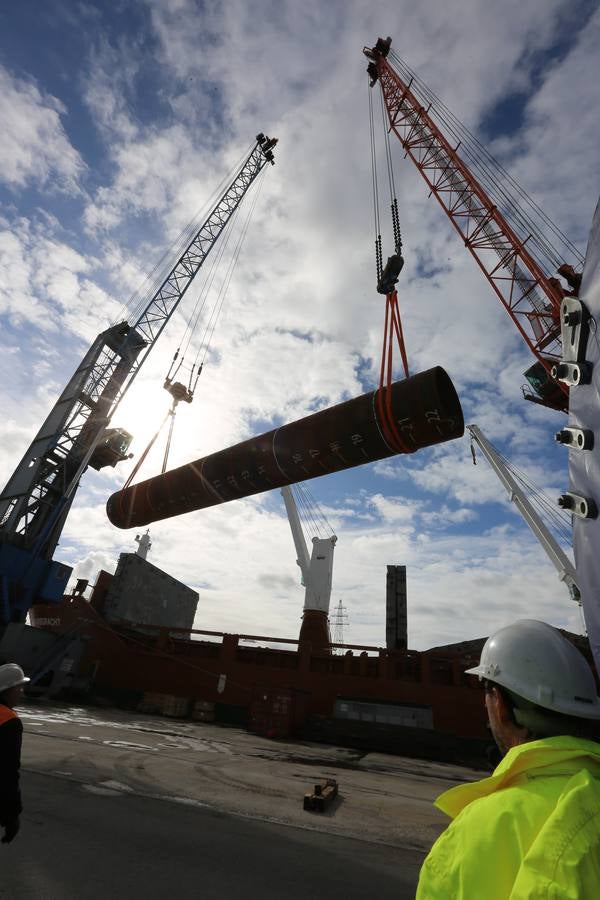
(310, 513)
(179, 391)
(387, 277)
(132, 309)
(556, 520)
(502, 188)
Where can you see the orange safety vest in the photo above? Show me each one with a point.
(6, 714)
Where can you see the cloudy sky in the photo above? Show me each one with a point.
(117, 123)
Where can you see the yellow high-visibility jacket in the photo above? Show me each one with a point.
(531, 830)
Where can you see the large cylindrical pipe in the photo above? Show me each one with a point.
(414, 413)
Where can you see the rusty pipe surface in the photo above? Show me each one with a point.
(417, 412)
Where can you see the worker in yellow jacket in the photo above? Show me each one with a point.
(532, 829)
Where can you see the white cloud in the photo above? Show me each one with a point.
(302, 313)
(34, 148)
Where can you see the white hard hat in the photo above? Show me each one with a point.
(11, 675)
(536, 662)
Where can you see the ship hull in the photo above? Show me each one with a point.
(279, 692)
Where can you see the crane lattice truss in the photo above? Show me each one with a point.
(35, 502)
(526, 292)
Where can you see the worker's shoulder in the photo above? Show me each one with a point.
(9, 720)
(515, 808)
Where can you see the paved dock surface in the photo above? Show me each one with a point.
(125, 805)
(79, 845)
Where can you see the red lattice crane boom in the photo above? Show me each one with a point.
(530, 296)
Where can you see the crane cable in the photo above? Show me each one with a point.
(309, 511)
(509, 196)
(558, 520)
(201, 300)
(217, 306)
(386, 280)
(391, 182)
(138, 301)
(375, 190)
(193, 323)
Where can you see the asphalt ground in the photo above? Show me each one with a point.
(122, 805)
(81, 844)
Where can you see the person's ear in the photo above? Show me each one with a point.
(504, 714)
(501, 706)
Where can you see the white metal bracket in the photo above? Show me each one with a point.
(582, 507)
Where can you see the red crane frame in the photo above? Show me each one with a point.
(530, 297)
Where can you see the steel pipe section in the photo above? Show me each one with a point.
(417, 412)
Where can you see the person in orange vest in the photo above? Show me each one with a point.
(12, 681)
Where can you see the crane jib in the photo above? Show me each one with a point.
(38, 496)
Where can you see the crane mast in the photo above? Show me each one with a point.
(36, 500)
(531, 297)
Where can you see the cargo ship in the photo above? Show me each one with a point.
(131, 643)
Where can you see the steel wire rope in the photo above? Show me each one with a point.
(538, 497)
(173, 374)
(306, 513)
(317, 507)
(312, 523)
(487, 164)
(302, 512)
(222, 245)
(547, 261)
(375, 188)
(487, 181)
(388, 150)
(201, 299)
(133, 308)
(208, 283)
(558, 520)
(183, 240)
(483, 151)
(546, 256)
(314, 509)
(190, 230)
(543, 504)
(218, 307)
(391, 179)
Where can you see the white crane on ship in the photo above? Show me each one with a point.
(317, 573)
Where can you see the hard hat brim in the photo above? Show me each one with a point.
(478, 670)
(13, 684)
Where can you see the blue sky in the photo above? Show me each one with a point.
(117, 123)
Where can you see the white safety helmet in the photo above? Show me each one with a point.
(11, 675)
(536, 662)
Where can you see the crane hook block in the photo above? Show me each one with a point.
(390, 274)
